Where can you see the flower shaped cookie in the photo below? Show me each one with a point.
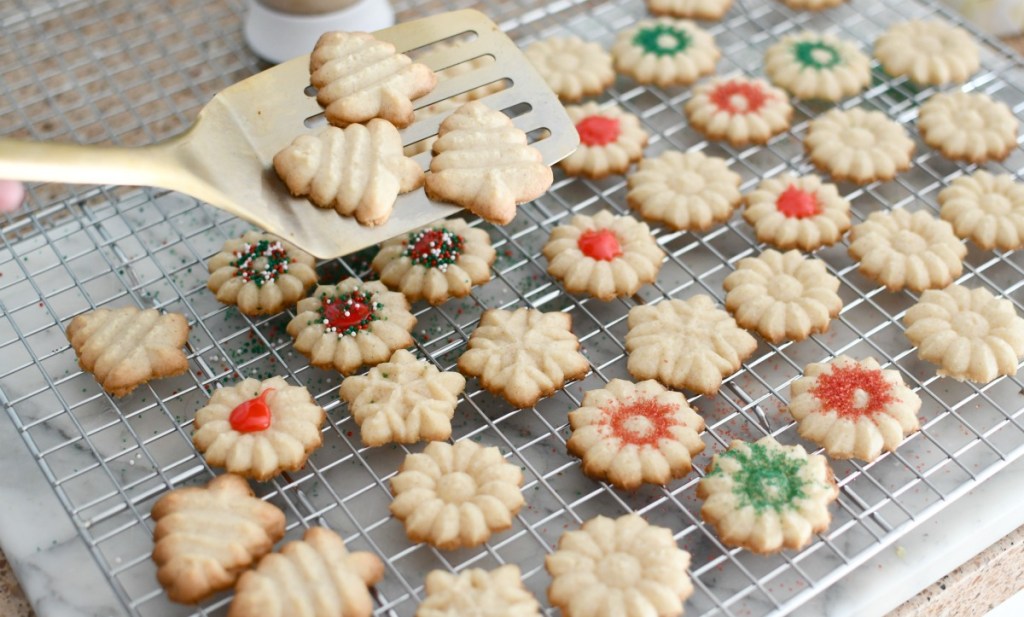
(690, 9)
(350, 324)
(814, 65)
(899, 249)
(259, 429)
(986, 208)
(858, 145)
(403, 400)
(666, 52)
(790, 212)
(487, 593)
(260, 273)
(765, 496)
(630, 433)
(684, 190)
(620, 566)
(689, 344)
(782, 296)
(456, 496)
(740, 110)
(605, 256)
(523, 355)
(853, 408)
(573, 68)
(437, 262)
(928, 52)
(610, 141)
(968, 127)
(969, 333)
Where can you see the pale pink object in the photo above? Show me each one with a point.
(11, 195)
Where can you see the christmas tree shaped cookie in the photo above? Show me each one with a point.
(483, 163)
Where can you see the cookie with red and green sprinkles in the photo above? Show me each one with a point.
(351, 324)
(765, 496)
(260, 273)
(666, 52)
(437, 262)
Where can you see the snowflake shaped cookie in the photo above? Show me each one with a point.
(260, 273)
(858, 145)
(666, 52)
(487, 593)
(572, 67)
(684, 190)
(739, 110)
(437, 262)
(259, 429)
(899, 249)
(782, 296)
(968, 127)
(969, 333)
(630, 433)
(605, 256)
(610, 564)
(403, 400)
(797, 212)
(986, 208)
(814, 65)
(853, 408)
(689, 344)
(456, 496)
(928, 52)
(523, 355)
(708, 10)
(610, 141)
(765, 496)
(351, 324)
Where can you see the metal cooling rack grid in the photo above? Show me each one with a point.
(107, 465)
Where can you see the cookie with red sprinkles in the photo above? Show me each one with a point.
(739, 110)
(351, 324)
(610, 141)
(260, 273)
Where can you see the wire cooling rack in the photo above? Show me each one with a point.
(132, 72)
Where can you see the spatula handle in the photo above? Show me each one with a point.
(76, 164)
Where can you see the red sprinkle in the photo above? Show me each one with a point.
(598, 130)
(341, 315)
(600, 244)
(253, 415)
(797, 204)
(658, 419)
(722, 96)
(837, 390)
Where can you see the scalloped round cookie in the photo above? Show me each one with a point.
(797, 212)
(610, 141)
(739, 110)
(666, 52)
(684, 190)
(814, 65)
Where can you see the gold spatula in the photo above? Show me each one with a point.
(225, 158)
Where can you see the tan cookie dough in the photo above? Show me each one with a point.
(572, 67)
(434, 263)
(739, 110)
(610, 141)
(899, 249)
(608, 562)
(853, 408)
(968, 127)
(710, 10)
(485, 593)
(797, 212)
(987, 209)
(684, 190)
(456, 496)
(631, 433)
(782, 296)
(765, 496)
(689, 344)
(812, 5)
(665, 52)
(813, 65)
(858, 145)
(605, 256)
(259, 429)
(351, 324)
(260, 273)
(969, 333)
(928, 52)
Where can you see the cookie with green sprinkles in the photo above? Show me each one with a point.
(813, 65)
(666, 52)
(351, 324)
(260, 273)
(437, 262)
(765, 496)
